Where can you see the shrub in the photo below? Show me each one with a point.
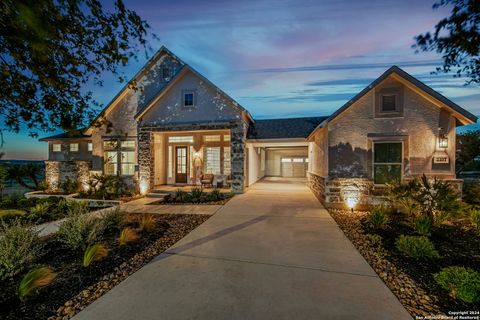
(39, 210)
(378, 217)
(461, 283)
(416, 247)
(196, 194)
(475, 217)
(181, 196)
(214, 195)
(147, 222)
(93, 253)
(79, 230)
(19, 246)
(69, 186)
(113, 219)
(423, 225)
(34, 280)
(127, 235)
(470, 193)
(7, 203)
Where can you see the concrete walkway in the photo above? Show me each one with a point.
(271, 253)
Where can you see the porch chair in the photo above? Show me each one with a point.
(207, 180)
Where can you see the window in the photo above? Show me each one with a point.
(188, 99)
(73, 147)
(127, 163)
(387, 162)
(212, 160)
(180, 139)
(111, 163)
(212, 138)
(297, 159)
(286, 160)
(388, 103)
(56, 147)
(90, 147)
(226, 161)
(226, 137)
(128, 144)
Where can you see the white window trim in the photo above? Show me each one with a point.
(89, 146)
(192, 92)
(385, 163)
(70, 147)
(56, 144)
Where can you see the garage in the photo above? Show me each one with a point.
(288, 162)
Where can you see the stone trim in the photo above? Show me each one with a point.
(238, 137)
(57, 172)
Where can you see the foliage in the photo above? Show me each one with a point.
(378, 217)
(423, 225)
(196, 195)
(95, 252)
(11, 213)
(39, 210)
(416, 247)
(435, 199)
(21, 173)
(462, 283)
(19, 246)
(147, 222)
(456, 38)
(467, 151)
(79, 230)
(215, 195)
(471, 193)
(34, 280)
(475, 218)
(107, 187)
(3, 177)
(51, 49)
(69, 186)
(127, 235)
(113, 219)
(181, 196)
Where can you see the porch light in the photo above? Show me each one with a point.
(443, 141)
(143, 187)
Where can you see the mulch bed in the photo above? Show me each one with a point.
(219, 202)
(409, 279)
(76, 286)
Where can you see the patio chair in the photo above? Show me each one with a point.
(207, 180)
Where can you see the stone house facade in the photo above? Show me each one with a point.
(178, 126)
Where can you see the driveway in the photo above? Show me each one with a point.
(271, 253)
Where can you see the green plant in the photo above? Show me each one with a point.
(39, 210)
(214, 195)
(378, 217)
(69, 186)
(181, 196)
(19, 246)
(93, 253)
(34, 280)
(462, 283)
(471, 192)
(113, 219)
(79, 230)
(147, 222)
(417, 247)
(402, 196)
(196, 194)
(127, 235)
(475, 218)
(423, 225)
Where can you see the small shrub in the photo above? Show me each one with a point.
(34, 280)
(196, 194)
(79, 230)
(423, 225)
(470, 193)
(7, 203)
(19, 246)
(378, 217)
(127, 235)
(147, 222)
(181, 196)
(214, 195)
(93, 253)
(39, 210)
(69, 186)
(475, 217)
(462, 283)
(113, 219)
(416, 247)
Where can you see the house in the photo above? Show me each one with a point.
(179, 126)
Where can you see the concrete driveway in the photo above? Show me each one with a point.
(271, 253)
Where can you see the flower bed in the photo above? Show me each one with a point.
(75, 286)
(412, 280)
(195, 196)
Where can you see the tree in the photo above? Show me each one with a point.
(456, 38)
(22, 173)
(468, 151)
(51, 50)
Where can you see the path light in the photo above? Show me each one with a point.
(351, 202)
(143, 187)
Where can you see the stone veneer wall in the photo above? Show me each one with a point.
(57, 172)
(146, 161)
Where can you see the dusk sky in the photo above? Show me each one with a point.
(286, 58)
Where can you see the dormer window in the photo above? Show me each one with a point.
(389, 103)
(188, 99)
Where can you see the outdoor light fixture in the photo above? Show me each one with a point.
(351, 202)
(442, 141)
(143, 187)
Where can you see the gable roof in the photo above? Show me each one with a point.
(75, 134)
(283, 128)
(468, 118)
(186, 67)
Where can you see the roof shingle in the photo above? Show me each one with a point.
(283, 128)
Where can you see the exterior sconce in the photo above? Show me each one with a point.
(443, 141)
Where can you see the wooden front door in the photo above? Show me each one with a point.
(181, 164)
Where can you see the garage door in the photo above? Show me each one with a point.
(294, 167)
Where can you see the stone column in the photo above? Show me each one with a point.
(237, 149)
(145, 161)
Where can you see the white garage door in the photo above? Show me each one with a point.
(294, 167)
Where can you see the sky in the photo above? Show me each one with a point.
(285, 58)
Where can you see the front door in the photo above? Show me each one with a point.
(181, 164)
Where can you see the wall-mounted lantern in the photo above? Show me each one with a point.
(443, 141)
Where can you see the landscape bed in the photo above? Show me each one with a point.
(196, 196)
(412, 280)
(75, 286)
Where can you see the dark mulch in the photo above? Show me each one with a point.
(73, 278)
(457, 246)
